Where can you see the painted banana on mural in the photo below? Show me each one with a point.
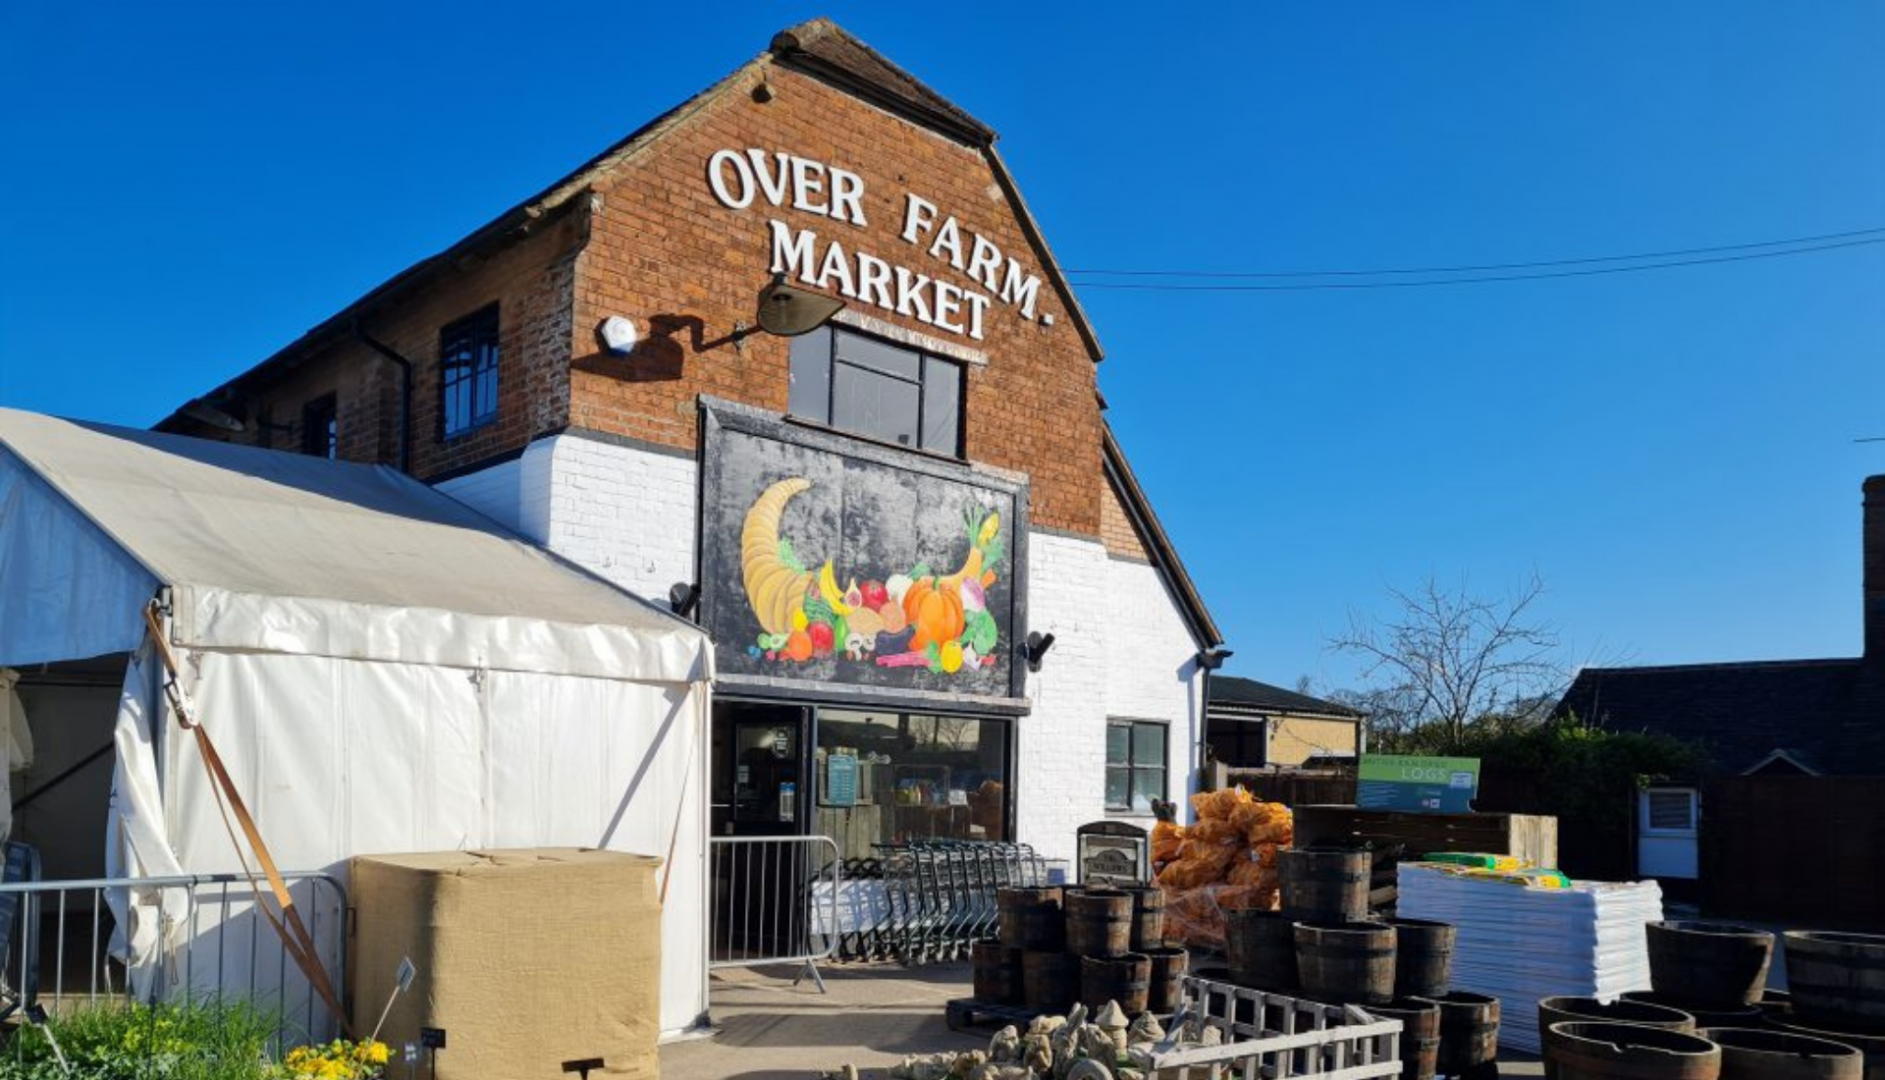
(919, 619)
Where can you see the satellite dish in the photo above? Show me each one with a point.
(789, 312)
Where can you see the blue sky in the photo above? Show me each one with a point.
(189, 187)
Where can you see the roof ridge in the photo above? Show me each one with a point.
(1722, 665)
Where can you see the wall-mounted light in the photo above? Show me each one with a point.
(618, 335)
(683, 598)
(1036, 648)
(1213, 658)
(789, 312)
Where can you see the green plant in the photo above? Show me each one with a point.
(206, 1040)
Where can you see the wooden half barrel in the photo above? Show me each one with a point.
(1871, 1046)
(1748, 1054)
(1168, 977)
(1126, 979)
(1423, 957)
(1709, 963)
(1031, 919)
(1837, 979)
(1706, 1016)
(1469, 1034)
(1148, 917)
(1347, 962)
(1588, 1010)
(1050, 981)
(1099, 922)
(1775, 1004)
(997, 972)
(1631, 1052)
(1325, 883)
(1262, 949)
(1420, 1034)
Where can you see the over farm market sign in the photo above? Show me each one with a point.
(739, 178)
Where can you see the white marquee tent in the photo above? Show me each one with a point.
(382, 668)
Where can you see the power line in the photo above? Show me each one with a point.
(1676, 253)
(1135, 286)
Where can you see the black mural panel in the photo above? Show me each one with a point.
(829, 561)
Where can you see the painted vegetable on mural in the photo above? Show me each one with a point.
(916, 619)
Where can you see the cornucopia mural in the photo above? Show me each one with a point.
(914, 618)
(828, 560)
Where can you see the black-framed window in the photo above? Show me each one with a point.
(320, 427)
(468, 368)
(878, 389)
(1135, 764)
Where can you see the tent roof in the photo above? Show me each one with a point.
(377, 565)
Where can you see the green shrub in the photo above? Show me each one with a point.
(200, 1041)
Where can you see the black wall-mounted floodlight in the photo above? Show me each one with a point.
(789, 312)
(1036, 648)
(1213, 658)
(683, 598)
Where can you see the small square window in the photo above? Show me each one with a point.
(468, 371)
(877, 389)
(1136, 762)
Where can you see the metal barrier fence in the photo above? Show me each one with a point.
(775, 901)
(210, 943)
(928, 901)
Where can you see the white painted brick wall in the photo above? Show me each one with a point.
(1061, 745)
(515, 494)
(624, 513)
(1152, 669)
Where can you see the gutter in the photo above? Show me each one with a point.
(405, 391)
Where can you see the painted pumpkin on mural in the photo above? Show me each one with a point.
(917, 619)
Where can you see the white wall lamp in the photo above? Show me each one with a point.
(618, 335)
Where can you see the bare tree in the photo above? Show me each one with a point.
(1450, 658)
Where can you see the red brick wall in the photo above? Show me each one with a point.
(663, 250)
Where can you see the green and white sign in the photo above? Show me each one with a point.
(1421, 785)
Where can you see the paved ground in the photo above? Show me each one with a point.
(767, 1029)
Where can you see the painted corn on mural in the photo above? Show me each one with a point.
(914, 618)
(828, 559)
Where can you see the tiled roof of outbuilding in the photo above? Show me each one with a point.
(1249, 693)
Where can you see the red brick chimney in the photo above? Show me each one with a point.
(1875, 569)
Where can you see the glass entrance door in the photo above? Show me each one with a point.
(759, 757)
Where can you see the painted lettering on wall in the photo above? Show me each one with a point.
(739, 179)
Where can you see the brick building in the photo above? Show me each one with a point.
(873, 519)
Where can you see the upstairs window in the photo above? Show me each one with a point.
(320, 428)
(882, 391)
(468, 361)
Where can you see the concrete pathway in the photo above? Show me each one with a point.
(768, 1029)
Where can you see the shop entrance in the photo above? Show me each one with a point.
(759, 768)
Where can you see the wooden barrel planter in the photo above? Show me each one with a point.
(1262, 950)
(1099, 923)
(1031, 919)
(1748, 1054)
(1587, 1010)
(1837, 979)
(1469, 1034)
(1775, 1004)
(1709, 963)
(1420, 1035)
(997, 972)
(1148, 917)
(1050, 981)
(1705, 1015)
(1126, 979)
(1871, 1046)
(1325, 883)
(1630, 1052)
(1168, 977)
(1423, 957)
(1350, 962)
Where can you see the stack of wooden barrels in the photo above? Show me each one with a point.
(1710, 1015)
(1061, 945)
(1324, 946)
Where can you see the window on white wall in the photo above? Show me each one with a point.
(1135, 764)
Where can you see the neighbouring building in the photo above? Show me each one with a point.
(1784, 743)
(940, 602)
(1254, 725)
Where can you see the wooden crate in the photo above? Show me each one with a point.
(1531, 837)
